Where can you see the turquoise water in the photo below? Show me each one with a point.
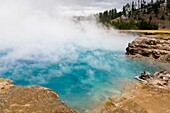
(83, 77)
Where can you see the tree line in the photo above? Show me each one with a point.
(132, 10)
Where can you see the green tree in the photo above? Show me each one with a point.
(114, 13)
(133, 6)
(128, 9)
(105, 16)
(150, 19)
(110, 15)
(124, 10)
(100, 15)
(168, 5)
(156, 8)
(143, 2)
(162, 17)
(152, 2)
(115, 10)
(144, 25)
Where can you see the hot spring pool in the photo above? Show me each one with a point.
(83, 78)
(84, 61)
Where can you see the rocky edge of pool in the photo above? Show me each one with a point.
(152, 93)
(29, 99)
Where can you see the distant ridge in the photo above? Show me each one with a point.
(139, 15)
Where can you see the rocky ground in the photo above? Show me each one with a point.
(154, 47)
(151, 97)
(29, 99)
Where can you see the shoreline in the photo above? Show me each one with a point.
(130, 100)
(153, 32)
(165, 65)
(138, 97)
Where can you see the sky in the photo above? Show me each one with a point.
(69, 7)
(80, 7)
(91, 6)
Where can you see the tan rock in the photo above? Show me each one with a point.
(146, 99)
(30, 99)
(153, 47)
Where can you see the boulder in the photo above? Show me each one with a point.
(131, 51)
(152, 41)
(168, 58)
(146, 53)
(156, 54)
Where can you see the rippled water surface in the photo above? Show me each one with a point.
(82, 77)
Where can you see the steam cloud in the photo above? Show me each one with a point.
(30, 28)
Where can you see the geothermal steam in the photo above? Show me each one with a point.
(30, 28)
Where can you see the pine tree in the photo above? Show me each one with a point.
(124, 10)
(150, 19)
(100, 16)
(138, 4)
(156, 8)
(133, 6)
(110, 14)
(142, 4)
(168, 5)
(105, 16)
(115, 10)
(162, 18)
(113, 14)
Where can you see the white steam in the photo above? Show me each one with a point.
(36, 27)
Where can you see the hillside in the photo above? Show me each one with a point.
(141, 15)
